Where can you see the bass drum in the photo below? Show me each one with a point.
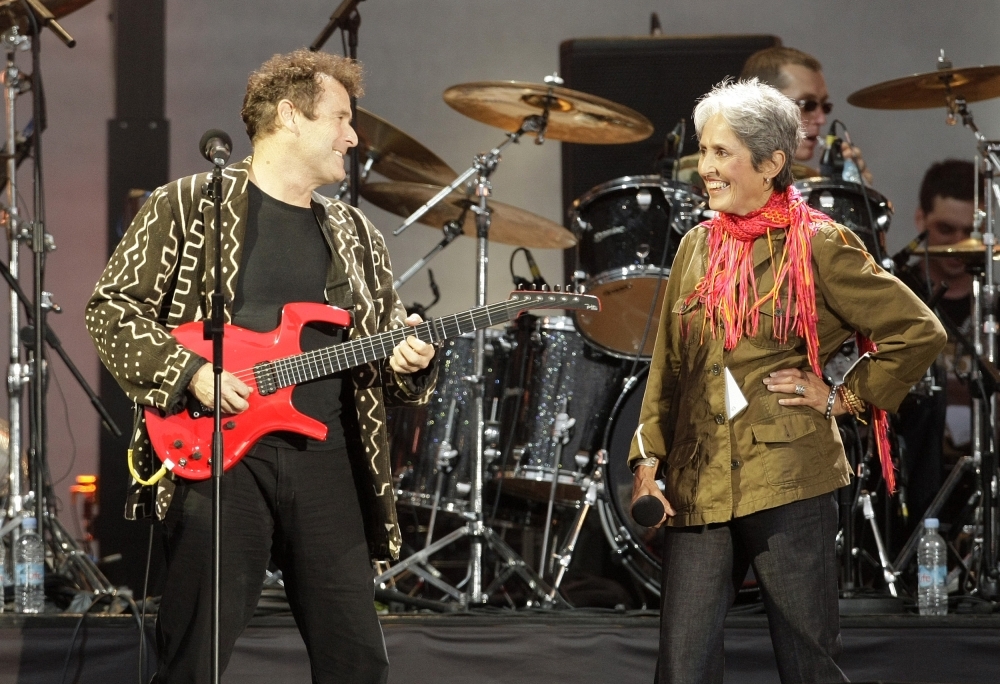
(844, 202)
(638, 548)
(627, 234)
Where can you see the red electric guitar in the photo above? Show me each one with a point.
(273, 363)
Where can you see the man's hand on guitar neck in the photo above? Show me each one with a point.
(411, 354)
(234, 392)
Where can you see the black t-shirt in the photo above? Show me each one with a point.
(286, 259)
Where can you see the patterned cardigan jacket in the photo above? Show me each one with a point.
(162, 275)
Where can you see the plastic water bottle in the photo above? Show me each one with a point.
(932, 566)
(29, 569)
(851, 172)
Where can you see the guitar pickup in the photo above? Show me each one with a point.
(267, 380)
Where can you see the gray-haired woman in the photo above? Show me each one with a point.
(737, 418)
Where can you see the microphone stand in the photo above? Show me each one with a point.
(347, 19)
(214, 330)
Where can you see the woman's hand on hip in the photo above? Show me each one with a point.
(804, 388)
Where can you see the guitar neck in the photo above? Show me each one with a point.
(315, 364)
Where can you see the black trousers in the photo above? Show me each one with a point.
(301, 509)
(793, 554)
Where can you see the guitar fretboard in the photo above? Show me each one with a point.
(315, 364)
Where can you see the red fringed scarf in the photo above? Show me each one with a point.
(729, 284)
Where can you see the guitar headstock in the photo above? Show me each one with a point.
(553, 299)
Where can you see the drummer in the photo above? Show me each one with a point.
(799, 76)
(937, 427)
(736, 417)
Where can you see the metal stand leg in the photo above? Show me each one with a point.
(887, 572)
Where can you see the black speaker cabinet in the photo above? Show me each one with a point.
(660, 77)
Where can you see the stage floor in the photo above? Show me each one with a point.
(580, 646)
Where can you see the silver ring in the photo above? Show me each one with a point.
(800, 390)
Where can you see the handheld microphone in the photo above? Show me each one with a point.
(216, 146)
(647, 511)
(537, 280)
(900, 258)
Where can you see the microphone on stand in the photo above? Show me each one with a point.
(673, 147)
(216, 146)
(900, 258)
(831, 164)
(537, 280)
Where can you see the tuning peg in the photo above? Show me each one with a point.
(557, 288)
(545, 287)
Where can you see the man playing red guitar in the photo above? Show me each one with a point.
(321, 509)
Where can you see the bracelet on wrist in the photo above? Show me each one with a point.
(830, 400)
(649, 461)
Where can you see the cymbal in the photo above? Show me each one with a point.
(969, 250)
(574, 117)
(397, 155)
(509, 225)
(13, 12)
(930, 90)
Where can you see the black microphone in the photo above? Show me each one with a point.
(647, 511)
(216, 146)
(902, 256)
(537, 280)
(831, 164)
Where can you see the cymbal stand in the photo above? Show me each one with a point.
(451, 229)
(17, 372)
(985, 408)
(478, 532)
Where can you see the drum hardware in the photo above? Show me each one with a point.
(27, 485)
(445, 456)
(564, 557)
(888, 574)
(451, 230)
(479, 533)
(560, 437)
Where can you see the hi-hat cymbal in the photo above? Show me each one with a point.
(13, 12)
(508, 225)
(574, 117)
(969, 250)
(930, 90)
(397, 155)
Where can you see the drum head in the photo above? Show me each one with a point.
(630, 312)
(844, 202)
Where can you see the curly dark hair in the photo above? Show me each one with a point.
(294, 76)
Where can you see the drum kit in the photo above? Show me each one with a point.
(540, 416)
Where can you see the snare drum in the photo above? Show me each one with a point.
(844, 202)
(627, 234)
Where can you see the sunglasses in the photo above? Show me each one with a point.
(811, 105)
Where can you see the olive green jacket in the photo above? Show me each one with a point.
(157, 279)
(717, 469)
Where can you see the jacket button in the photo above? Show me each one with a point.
(734, 464)
(720, 419)
(715, 369)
